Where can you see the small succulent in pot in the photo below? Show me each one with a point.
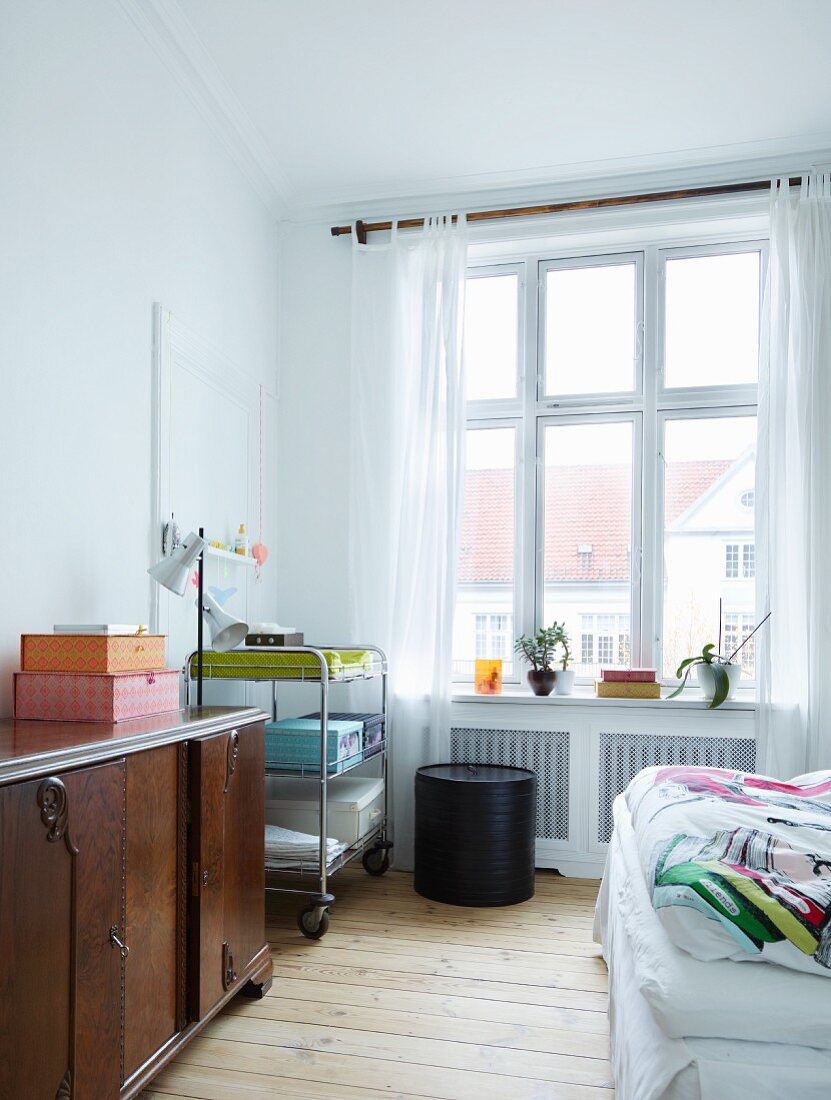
(539, 651)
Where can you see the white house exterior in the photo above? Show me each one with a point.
(709, 554)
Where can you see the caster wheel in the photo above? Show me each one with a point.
(313, 923)
(376, 861)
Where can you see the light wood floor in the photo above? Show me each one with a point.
(407, 998)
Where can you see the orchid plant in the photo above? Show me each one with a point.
(717, 664)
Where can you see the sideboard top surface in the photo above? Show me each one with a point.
(29, 749)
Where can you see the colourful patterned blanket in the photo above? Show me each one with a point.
(738, 866)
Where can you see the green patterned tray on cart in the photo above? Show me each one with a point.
(259, 664)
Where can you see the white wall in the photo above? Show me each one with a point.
(114, 193)
(313, 446)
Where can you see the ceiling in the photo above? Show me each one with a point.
(352, 100)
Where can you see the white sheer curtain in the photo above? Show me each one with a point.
(406, 481)
(794, 482)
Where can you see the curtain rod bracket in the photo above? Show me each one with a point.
(361, 231)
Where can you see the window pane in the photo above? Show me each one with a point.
(483, 625)
(749, 560)
(709, 550)
(712, 320)
(491, 337)
(588, 531)
(731, 560)
(590, 329)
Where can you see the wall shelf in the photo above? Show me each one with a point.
(229, 555)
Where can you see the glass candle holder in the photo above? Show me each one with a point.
(487, 677)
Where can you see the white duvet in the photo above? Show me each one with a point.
(737, 866)
(683, 1029)
(688, 997)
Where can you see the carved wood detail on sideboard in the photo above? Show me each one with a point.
(233, 753)
(54, 811)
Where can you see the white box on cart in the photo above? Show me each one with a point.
(354, 805)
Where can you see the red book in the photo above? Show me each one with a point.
(628, 675)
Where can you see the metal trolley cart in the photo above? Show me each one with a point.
(322, 666)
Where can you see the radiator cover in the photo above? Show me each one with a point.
(542, 751)
(622, 755)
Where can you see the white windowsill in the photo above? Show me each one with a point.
(583, 695)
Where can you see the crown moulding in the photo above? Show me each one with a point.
(554, 183)
(174, 39)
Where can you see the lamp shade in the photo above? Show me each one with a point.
(226, 631)
(173, 572)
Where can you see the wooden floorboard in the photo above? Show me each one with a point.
(409, 999)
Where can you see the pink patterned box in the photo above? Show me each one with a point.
(94, 697)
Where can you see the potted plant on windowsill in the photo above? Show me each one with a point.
(564, 681)
(539, 652)
(717, 676)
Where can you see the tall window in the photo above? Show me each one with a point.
(610, 454)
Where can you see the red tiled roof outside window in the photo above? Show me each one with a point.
(585, 507)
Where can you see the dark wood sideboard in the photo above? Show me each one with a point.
(132, 902)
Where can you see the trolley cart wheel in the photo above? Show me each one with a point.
(376, 861)
(313, 922)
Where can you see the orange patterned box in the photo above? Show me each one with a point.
(91, 652)
(94, 697)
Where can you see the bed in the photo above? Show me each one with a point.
(714, 917)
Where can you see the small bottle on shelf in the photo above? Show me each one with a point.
(241, 541)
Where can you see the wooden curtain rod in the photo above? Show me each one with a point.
(363, 228)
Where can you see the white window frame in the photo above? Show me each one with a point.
(517, 607)
(505, 407)
(648, 406)
(608, 259)
(716, 395)
(701, 412)
(570, 417)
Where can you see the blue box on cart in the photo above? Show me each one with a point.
(293, 744)
(373, 728)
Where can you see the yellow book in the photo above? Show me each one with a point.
(605, 689)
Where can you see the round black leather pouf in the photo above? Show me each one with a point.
(474, 834)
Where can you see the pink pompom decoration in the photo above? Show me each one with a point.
(259, 553)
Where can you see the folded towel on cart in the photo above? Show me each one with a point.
(287, 848)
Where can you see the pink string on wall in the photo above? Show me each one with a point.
(259, 551)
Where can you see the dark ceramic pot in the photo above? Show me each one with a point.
(542, 680)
